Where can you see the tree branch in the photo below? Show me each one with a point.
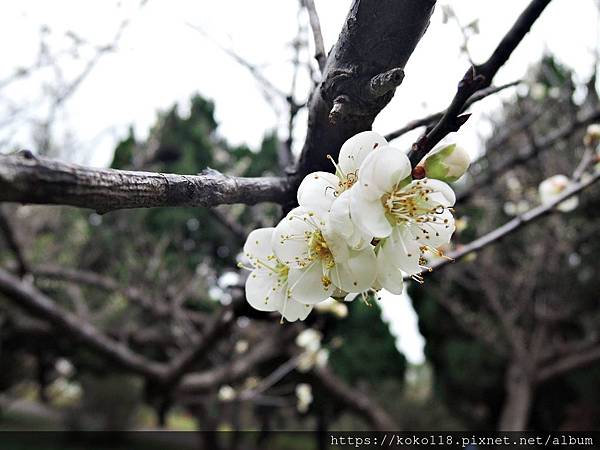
(476, 78)
(432, 119)
(354, 399)
(13, 243)
(315, 24)
(533, 149)
(512, 226)
(203, 381)
(27, 179)
(27, 297)
(569, 362)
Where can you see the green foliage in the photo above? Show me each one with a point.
(368, 349)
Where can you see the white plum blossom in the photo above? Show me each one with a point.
(552, 188)
(356, 230)
(304, 397)
(267, 284)
(324, 192)
(409, 217)
(320, 261)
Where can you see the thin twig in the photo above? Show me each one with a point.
(315, 24)
(433, 118)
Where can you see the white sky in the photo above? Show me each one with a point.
(161, 60)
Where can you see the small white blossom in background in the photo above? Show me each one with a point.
(65, 392)
(538, 91)
(226, 393)
(552, 188)
(241, 346)
(516, 208)
(64, 367)
(309, 341)
(308, 360)
(334, 307)
(592, 136)
(354, 232)
(304, 397)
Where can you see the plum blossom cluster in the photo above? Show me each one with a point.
(360, 229)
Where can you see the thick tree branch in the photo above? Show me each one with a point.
(27, 179)
(362, 71)
(476, 78)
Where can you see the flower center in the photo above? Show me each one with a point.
(318, 248)
(411, 205)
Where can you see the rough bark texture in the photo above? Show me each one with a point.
(362, 72)
(27, 179)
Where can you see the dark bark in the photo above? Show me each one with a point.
(361, 74)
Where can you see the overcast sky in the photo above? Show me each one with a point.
(162, 60)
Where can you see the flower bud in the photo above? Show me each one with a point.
(447, 163)
(592, 135)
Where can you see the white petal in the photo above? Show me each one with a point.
(307, 285)
(382, 171)
(336, 243)
(317, 191)
(293, 310)
(369, 215)
(357, 274)
(402, 249)
(259, 244)
(290, 242)
(449, 198)
(388, 275)
(435, 233)
(356, 149)
(340, 221)
(263, 291)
